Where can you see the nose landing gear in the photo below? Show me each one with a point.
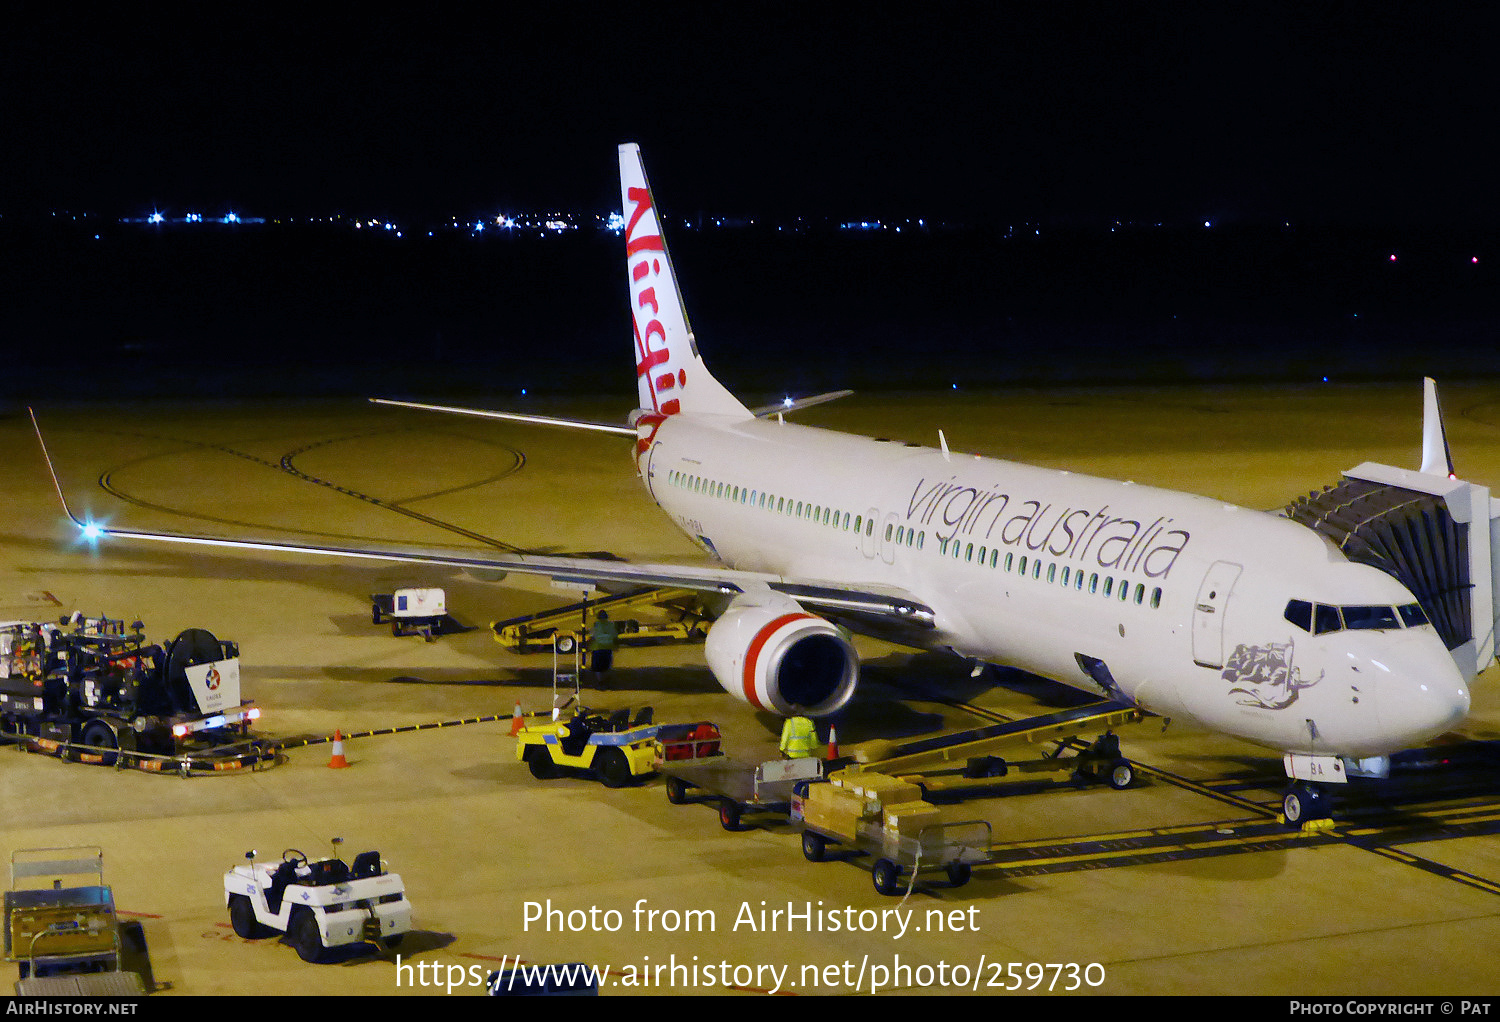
(1304, 802)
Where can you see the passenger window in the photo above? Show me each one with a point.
(1140, 593)
(969, 552)
(1156, 597)
(1078, 580)
(1023, 564)
(1094, 582)
(1299, 613)
(995, 557)
(1066, 574)
(870, 527)
(888, 530)
(1036, 569)
(1010, 560)
(1109, 584)
(1325, 619)
(1051, 573)
(858, 519)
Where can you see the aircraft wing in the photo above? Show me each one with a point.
(873, 600)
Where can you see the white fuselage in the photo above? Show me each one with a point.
(1183, 600)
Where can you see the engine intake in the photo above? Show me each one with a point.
(768, 651)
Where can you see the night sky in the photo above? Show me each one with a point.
(1317, 111)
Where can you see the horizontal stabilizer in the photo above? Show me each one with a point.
(800, 403)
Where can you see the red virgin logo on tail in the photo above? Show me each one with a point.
(645, 254)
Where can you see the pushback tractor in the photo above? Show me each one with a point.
(320, 904)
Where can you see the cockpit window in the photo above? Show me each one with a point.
(1321, 618)
(1299, 613)
(1370, 617)
(1412, 615)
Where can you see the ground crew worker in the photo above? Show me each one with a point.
(798, 738)
(603, 637)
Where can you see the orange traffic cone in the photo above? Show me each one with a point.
(833, 743)
(515, 721)
(338, 759)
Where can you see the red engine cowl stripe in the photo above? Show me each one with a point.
(752, 655)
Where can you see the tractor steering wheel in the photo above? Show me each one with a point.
(292, 855)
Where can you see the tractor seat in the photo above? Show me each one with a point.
(366, 864)
(329, 871)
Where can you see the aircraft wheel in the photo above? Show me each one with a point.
(100, 734)
(242, 919)
(539, 760)
(1304, 802)
(887, 877)
(677, 790)
(1120, 776)
(393, 941)
(729, 815)
(303, 935)
(813, 846)
(612, 767)
(959, 873)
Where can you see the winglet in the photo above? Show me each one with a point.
(1437, 459)
(56, 484)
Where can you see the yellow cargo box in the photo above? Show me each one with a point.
(878, 787)
(907, 819)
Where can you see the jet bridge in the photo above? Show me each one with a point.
(1437, 534)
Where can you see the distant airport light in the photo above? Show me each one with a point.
(1393, 257)
(154, 218)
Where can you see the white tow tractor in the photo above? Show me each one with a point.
(320, 904)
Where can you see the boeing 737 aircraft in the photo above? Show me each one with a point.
(1262, 626)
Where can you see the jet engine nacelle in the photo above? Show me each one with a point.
(768, 651)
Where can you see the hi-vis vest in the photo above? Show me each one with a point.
(798, 737)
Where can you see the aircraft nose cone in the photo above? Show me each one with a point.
(1429, 699)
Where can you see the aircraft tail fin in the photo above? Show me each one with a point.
(1437, 458)
(670, 374)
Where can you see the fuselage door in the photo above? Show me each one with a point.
(887, 538)
(647, 476)
(1208, 613)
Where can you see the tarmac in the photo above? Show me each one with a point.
(501, 868)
